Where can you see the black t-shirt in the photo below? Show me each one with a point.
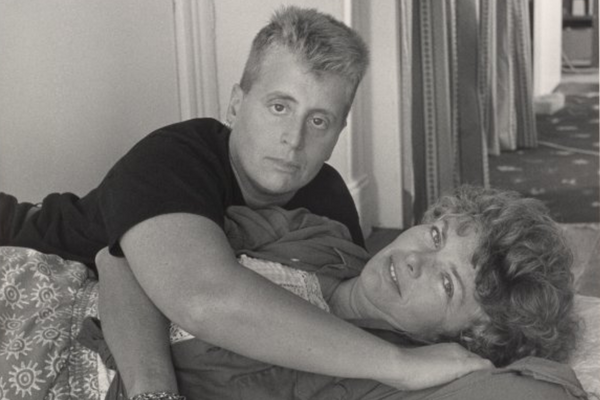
(183, 167)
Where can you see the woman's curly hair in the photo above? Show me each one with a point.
(524, 284)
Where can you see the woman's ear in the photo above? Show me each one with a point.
(235, 103)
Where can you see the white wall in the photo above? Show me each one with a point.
(380, 121)
(80, 83)
(547, 46)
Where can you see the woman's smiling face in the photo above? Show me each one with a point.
(424, 281)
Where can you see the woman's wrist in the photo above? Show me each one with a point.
(399, 370)
(387, 364)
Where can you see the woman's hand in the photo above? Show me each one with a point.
(428, 366)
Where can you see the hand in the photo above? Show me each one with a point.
(436, 364)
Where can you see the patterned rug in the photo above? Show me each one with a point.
(563, 170)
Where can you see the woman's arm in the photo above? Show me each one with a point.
(135, 330)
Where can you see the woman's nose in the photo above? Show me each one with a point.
(414, 265)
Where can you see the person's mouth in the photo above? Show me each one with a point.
(285, 166)
(395, 277)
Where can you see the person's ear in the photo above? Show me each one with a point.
(235, 103)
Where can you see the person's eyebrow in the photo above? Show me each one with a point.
(460, 282)
(281, 96)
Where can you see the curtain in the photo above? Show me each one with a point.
(471, 90)
(406, 110)
(508, 90)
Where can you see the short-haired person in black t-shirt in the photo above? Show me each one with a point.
(162, 206)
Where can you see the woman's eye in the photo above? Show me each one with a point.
(448, 286)
(436, 236)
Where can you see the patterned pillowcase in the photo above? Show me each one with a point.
(43, 301)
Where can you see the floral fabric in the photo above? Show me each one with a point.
(43, 300)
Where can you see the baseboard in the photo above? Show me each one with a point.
(549, 104)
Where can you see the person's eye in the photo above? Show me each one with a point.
(319, 123)
(448, 286)
(436, 236)
(278, 108)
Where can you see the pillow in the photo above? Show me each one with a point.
(585, 360)
(584, 239)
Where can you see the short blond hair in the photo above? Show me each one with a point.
(323, 43)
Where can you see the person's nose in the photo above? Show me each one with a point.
(415, 262)
(293, 134)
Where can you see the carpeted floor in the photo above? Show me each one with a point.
(563, 171)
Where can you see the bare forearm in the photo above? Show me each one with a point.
(185, 264)
(135, 330)
(268, 323)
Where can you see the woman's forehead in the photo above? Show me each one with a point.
(464, 240)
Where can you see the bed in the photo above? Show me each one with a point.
(44, 301)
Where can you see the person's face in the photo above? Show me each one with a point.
(285, 127)
(423, 283)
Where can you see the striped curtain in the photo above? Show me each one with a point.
(511, 120)
(471, 90)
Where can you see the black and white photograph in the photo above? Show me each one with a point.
(299, 200)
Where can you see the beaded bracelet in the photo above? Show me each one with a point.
(158, 396)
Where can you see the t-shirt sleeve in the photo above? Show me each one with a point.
(166, 172)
